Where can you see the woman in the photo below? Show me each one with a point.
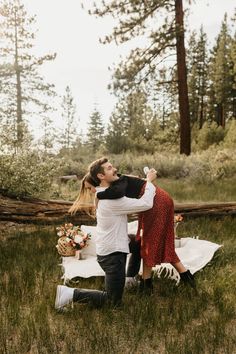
(155, 228)
(85, 199)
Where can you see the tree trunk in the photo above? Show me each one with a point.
(38, 211)
(18, 90)
(234, 104)
(201, 113)
(19, 109)
(222, 113)
(185, 132)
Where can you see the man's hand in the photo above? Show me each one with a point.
(96, 200)
(151, 175)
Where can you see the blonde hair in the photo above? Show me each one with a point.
(85, 200)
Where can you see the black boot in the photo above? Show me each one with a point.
(188, 278)
(146, 286)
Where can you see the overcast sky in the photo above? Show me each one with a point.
(82, 62)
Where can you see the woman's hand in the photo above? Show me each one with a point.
(151, 175)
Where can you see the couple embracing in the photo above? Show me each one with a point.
(117, 196)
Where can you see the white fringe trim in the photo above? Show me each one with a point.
(168, 271)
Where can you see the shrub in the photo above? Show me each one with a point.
(210, 134)
(230, 138)
(26, 173)
(212, 164)
(167, 165)
(203, 167)
(70, 167)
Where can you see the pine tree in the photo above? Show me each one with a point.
(163, 95)
(49, 134)
(96, 130)
(117, 138)
(131, 124)
(22, 87)
(221, 76)
(233, 71)
(141, 18)
(69, 133)
(136, 108)
(198, 64)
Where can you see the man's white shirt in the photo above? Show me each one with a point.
(112, 222)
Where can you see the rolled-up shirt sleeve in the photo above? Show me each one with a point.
(130, 205)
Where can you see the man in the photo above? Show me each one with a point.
(112, 242)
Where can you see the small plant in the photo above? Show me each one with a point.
(178, 218)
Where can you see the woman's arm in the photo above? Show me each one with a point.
(126, 205)
(115, 191)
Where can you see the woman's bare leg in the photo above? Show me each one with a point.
(147, 271)
(179, 267)
(185, 275)
(146, 286)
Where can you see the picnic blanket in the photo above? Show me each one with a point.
(194, 254)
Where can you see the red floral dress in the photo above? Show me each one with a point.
(157, 235)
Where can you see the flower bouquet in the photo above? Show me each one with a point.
(71, 240)
(177, 220)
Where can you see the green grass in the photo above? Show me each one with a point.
(182, 190)
(173, 321)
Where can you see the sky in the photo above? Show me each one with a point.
(82, 62)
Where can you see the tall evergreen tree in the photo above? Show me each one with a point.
(233, 58)
(96, 130)
(131, 124)
(136, 118)
(141, 18)
(198, 64)
(22, 87)
(221, 76)
(69, 133)
(49, 134)
(163, 95)
(233, 92)
(116, 138)
(193, 82)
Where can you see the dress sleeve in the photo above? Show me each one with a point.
(126, 205)
(115, 191)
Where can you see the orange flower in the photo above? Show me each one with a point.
(178, 218)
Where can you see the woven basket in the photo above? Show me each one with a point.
(64, 247)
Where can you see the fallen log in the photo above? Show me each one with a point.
(206, 209)
(39, 211)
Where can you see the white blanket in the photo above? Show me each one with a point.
(194, 254)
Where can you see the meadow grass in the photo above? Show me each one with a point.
(185, 190)
(173, 321)
(182, 190)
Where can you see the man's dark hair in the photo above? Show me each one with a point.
(96, 167)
